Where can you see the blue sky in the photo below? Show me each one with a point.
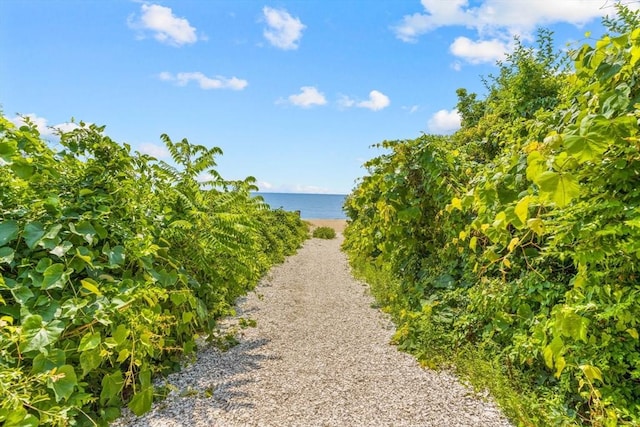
(294, 92)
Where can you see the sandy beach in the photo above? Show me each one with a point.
(337, 224)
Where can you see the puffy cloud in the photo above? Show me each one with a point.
(155, 150)
(444, 122)
(164, 25)
(480, 51)
(308, 97)
(284, 31)
(496, 22)
(377, 101)
(517, 17)
(206, 83)
(42, 124)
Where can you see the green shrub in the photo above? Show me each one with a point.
(324, 233)
(516, 241)
(110, 263)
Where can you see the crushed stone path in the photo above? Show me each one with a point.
(318, 356)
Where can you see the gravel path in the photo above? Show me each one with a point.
(319, 356)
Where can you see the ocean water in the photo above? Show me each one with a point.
(311, 206)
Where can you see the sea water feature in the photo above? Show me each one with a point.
(311, 206)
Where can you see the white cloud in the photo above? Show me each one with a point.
(66, 127)
(42, 125)
(308, 97)
(284, 31)
(377, 101)
(444, 122)
(496, 21)
(411, 108)
(206, 83)
(154, 150)
(264, 186)
(477, 52)
(345, 102)
(164, 25)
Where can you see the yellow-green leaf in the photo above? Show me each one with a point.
(560, 364)
(522, 209)
(591, 372)
(536, 225)
(456, 203)
(91, 285)
(561, 188)
(513, 243)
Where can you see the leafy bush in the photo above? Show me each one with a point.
(324, 233)
(111, 263)
(517, 239)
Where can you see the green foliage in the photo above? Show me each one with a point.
(324, 233)
(111, 263)
(517, 240)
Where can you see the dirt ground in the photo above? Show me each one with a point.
(336, 224)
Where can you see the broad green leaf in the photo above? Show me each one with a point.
(409, 214)
(89, 341)
(8, 231)
(552, 351)
(22, 294)
(38, 334)
(43, 264)
(633, 332)
(561, 188)
(63, 382)
(586, 148)
(86, 230)
(573, 325)
(33, 232)
(19, 417)
(141, 401)
(90, 360)
(123, 355)
(22, 168)
(91, 286)
(46, 362)
(6, 255)
(116, 255)
(7, 149)
(111, 386)
(120, 334)
(54, 277)
(85, 255)
(61, 249)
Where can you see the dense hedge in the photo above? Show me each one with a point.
(111, 264)
(517, 240)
